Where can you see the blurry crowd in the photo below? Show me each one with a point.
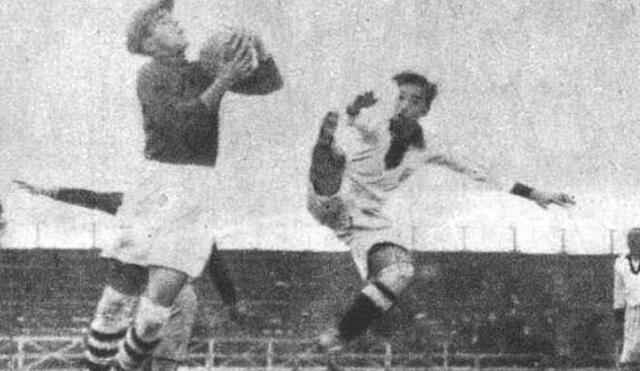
(579, 339)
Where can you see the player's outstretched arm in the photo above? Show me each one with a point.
(36, 190)
(479, 174)
(108, 202)
(542, 198)
(475, 172)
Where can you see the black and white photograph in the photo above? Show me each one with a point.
(339, 185)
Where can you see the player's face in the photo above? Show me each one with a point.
(410, 102)
(168, 37)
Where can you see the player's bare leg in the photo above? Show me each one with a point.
(154, 310)
(176, 335)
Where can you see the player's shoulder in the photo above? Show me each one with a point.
(149, 73)
(435, 144)
(154, 71)
(149, 67)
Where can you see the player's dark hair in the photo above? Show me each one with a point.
(429, 88)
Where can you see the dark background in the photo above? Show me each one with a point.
(557, 305)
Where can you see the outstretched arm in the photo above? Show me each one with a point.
(108, 202)
(542, 198)
(463, 167)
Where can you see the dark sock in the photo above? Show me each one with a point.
(135, 350)
(358, 318)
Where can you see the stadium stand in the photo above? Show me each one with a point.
(464, 309)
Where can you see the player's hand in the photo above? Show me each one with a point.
(364, 100)
(34, 190)
(544, 199)
(241, 63)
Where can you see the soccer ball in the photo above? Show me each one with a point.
(217, 49)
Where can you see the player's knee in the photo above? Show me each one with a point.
(129, 279)
(187, 302)
(164, 285)
(396, 277)
(114, 311)
(150, 319)
(391, 266)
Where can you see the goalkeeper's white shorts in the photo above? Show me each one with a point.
(168, 219)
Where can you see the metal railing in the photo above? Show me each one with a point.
(267, 354)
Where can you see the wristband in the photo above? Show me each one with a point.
(521, 190)
(352, 111)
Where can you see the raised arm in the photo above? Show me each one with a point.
(230, 73)
(327, 160)
(265, 79)
(163, 100)
(362, 101)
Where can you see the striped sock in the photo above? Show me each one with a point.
(101, 346)
(134, 351)
(108, 328)
(144, 335)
